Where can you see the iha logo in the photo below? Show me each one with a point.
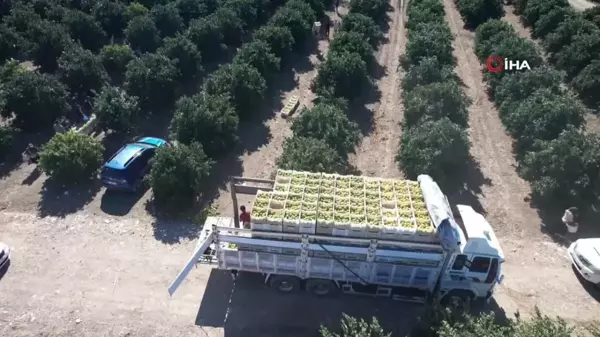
(496, 64)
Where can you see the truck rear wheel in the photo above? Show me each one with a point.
(322, 288)
(285, 284)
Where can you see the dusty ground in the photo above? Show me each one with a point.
(375, 154)
(581, 4)
(94, 274)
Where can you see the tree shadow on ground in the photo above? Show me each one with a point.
(231, 305)
(551, 214)
(466, 187)
(59, 200)
(13, 159)
(120, 203)
(170, 227)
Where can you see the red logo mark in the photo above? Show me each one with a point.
(495, 64)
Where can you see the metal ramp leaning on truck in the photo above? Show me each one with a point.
(452, 261)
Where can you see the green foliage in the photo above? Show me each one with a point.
(564, 169)
(476, 12)
(513, 48)
(194, 9)
(242, 82)
(11, 43)
(207, 119)
(142, 34)
(342, 75)
(36, 100)
(115, 57)
(48, 41)
(427, 71)
(112, 16)
(438, 148)
(21, 18)
(362, 24)
(425, 11)
(489, 34)
(534, 9)
(85, 29)
(329, 123)
(298, 18)
(310, 154)
(6, 140)
(152, 79)
(207, 36)
(167, 19)
(258, 54)
(427, 40)
(517, 87)
(549, 21)
(352, 327)
(375, 9)
(246, 10)
(280, 39)
(184, 54)
(578, 54)
(136, 9)
(543, 116)
(592, 14)
(115, 109)
(587, 82)
(566, 31)
(436, 101)
(81, 70)
(345, 42)
(231, 26)
(178, 175)
(71, 157)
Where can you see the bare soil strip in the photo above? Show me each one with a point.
(377, 150)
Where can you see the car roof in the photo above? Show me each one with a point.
(157, 142)
(120, 160)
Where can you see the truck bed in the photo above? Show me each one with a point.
(236, 249)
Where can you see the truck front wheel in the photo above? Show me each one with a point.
(321, 288)
(285, 284)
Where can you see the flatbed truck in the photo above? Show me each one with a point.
(458, 268)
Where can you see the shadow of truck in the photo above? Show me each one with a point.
(247, 307)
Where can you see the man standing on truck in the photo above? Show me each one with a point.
(245, 217)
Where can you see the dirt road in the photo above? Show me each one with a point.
(99, 276)
(377, 150)
(581, 5)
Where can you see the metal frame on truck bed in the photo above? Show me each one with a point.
(324, 265)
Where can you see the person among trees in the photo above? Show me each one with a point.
(245, 217)
(571, 218)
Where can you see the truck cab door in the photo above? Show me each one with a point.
(482, 272)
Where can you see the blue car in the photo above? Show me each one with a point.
(126, 169)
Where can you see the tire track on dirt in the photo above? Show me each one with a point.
(503, 197)
(375, 155)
